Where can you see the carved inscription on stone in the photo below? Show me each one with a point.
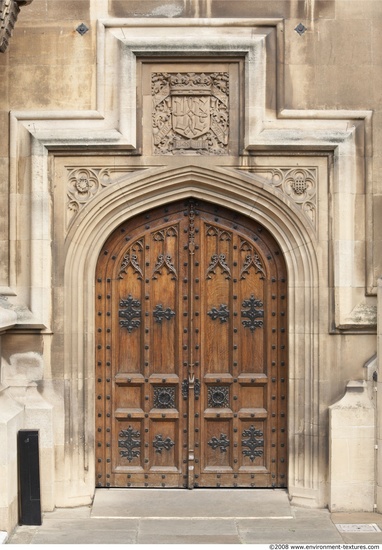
(190, 113)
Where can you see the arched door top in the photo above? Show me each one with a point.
(191, 352)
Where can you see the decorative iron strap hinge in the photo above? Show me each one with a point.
(185, 388)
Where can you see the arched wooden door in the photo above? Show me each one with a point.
(191, 352)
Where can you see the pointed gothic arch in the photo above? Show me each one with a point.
(296, 238)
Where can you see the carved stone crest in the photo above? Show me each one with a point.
(190, 113)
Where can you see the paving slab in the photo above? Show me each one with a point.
(189, 539)
(69, 513)
(189, 526)
(104, 524)
(85, 537)
(216, 516)
(202, 503)
(290, 536)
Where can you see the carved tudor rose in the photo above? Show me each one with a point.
(190, 113)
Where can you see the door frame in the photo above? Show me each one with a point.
(241, 193)
(126, 388)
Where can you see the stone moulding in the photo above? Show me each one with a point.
(40, 134)
(299, 184)
(9, 11)
(85, 182)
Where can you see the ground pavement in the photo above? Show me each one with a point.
(205, 516)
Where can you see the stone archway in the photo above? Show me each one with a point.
(297, 244)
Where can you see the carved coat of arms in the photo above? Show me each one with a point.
(190, 113)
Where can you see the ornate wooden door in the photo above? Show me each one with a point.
(191, 352)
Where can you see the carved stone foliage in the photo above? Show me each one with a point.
(190, 113)
(9, 10)
(299, 184)
(84, 183)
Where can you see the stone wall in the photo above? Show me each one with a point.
(72, 101)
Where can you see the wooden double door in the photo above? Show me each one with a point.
(191, 352)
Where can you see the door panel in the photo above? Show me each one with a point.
(191, 352)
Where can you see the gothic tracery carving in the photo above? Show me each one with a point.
(252, 259)
(85, 183)
(164, 260)
(218, 260)
(299, 184)
(131, 259)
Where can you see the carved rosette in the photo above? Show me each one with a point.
(85, 183)
(190, 113)
(299, 184)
